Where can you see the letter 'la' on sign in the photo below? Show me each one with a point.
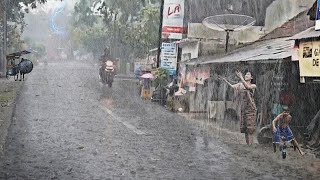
(174, 10)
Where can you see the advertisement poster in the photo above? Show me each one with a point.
(173, 19)
(198, 75)
(309, 60)
(169, 57)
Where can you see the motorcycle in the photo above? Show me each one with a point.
(265, 134)
(160, 95)
(107, 74)
(162, 92)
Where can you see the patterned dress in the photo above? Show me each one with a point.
(247, 108)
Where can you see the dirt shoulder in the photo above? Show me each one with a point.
(261, 155)
(9, 90)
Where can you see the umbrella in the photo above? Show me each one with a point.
(147, 76)
(20, 53)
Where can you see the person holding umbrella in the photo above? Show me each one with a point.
(146, 85)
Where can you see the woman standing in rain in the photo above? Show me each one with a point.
(244, 92)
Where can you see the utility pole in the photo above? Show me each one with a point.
(160, 33)
(3, 62)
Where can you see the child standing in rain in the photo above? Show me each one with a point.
(245, 94)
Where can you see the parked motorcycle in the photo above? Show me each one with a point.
(160, 95)
(265, 134)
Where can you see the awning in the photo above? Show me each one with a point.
(307, 34)
(273, 49)
(184, 42)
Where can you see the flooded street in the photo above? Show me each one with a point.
(159, 89)
(67, 125)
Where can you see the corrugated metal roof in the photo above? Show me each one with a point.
(309, 33)
(264, 50)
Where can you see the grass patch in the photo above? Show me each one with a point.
(7, 97)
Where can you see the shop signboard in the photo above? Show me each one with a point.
(309, 59)
(169, 55)
(173, 19)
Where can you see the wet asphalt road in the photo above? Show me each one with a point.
(68, 126)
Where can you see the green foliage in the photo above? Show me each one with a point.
(171, 104)
(129, 27)
(92, 39)
(83, 14)
(132, 24)
(15, 38)
(143, 34)
(38, 49)
(14, 13)
(86, 34)
(162, 76)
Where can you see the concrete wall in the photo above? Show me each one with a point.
(214, 41)
(200, 9)
(199, 31)
(281, 11)
(278, 13)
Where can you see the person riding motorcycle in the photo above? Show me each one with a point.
(107, 67)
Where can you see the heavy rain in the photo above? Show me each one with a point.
(159, 89)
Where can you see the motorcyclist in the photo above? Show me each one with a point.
(106, 63)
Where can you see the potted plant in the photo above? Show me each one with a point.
(160, 82)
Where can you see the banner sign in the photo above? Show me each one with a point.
(169, 55)
(173, 19)
(197, 75)
(309, 59)
(317, 27)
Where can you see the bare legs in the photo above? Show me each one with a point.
(295, 144)
(249, 138)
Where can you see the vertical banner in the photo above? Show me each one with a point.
(173, 26)
(309, 61)
(317, 27)
(169, 55)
